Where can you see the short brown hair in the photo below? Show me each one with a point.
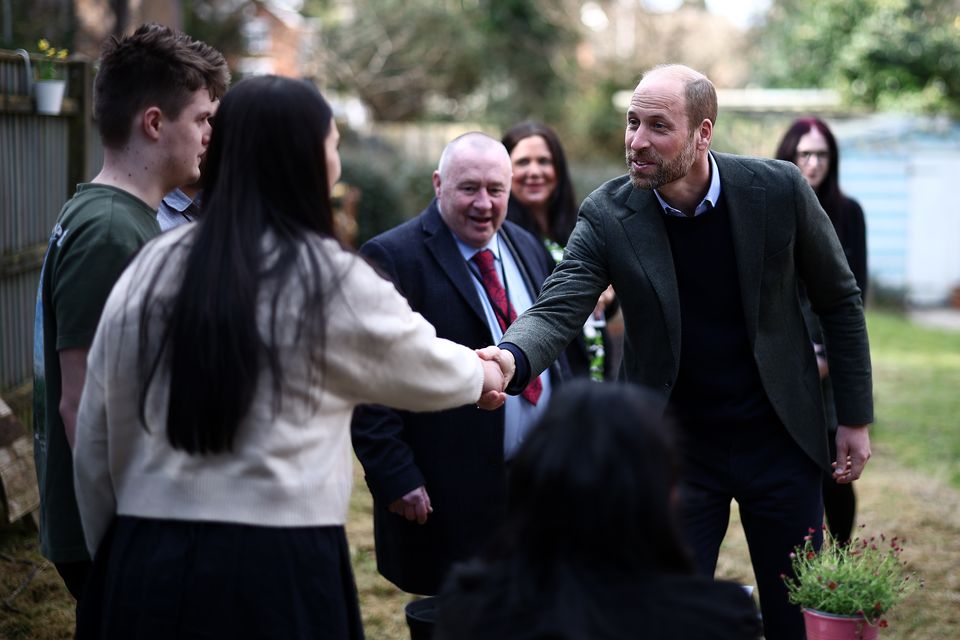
(156, 65)
(701, 98)
(699, 93)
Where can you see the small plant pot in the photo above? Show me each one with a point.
(830, 626)
(50, 96)
(421, 618)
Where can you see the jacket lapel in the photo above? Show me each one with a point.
(746, 205)
(440, 243)
(645, 231)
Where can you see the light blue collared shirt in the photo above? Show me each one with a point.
(709, 201)
(519, 414)
(176, 209)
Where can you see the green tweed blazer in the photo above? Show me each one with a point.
(781, 235)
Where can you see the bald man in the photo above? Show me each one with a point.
(705, 251)
(438, 479)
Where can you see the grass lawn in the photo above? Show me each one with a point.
(910, 489)
(917, 391)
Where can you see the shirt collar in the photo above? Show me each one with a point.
(709, 201)
(177, 200)
(468, 252)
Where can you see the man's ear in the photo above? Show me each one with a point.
(705, 134)
(151, 122)
(436, 183)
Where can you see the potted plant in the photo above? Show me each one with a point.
(50, 84)
(850, 586)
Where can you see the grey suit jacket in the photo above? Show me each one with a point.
(781, 234)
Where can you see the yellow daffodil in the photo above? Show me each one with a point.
(46, 69)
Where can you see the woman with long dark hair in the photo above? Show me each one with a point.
(591, 547)
(810, 145)
(213, 459)
(542, 201)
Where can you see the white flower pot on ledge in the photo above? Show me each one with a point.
(49, 95)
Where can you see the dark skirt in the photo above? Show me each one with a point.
(174, 579)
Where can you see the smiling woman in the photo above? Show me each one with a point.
(542, 202)
(542, 199)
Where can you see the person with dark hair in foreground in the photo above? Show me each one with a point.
(213, 463)
(154, 94)
(591, 546)
(810, 145)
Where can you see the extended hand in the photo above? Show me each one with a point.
(503, 358)
(492, 397)
(413, 506)
(853, 451)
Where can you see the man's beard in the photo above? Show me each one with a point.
(666, 172)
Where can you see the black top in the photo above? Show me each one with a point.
(852, 232)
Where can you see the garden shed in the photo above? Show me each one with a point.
(905, 172)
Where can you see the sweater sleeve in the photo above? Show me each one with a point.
(380, 351)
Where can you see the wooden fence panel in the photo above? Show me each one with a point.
(42, 158)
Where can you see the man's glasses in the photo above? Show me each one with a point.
(805, 156)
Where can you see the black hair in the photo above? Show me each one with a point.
(592, 488)
(562, 212)
(266, 202)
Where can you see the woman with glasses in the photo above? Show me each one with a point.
(810, 145)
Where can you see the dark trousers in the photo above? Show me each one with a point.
(777, 488)
(74, 575)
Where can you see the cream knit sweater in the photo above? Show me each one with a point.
(287, 469)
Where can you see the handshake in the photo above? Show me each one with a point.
(498, 368)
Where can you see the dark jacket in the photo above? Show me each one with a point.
(457, 454)
(780, 234)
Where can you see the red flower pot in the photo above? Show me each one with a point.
(830, 626)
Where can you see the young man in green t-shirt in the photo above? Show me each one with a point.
(154, 96)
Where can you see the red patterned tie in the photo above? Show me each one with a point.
(502, 308)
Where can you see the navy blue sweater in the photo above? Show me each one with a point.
(718, 380)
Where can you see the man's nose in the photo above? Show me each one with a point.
(483, 200)
(639, 140)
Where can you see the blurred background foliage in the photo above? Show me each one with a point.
(881, 54)
(489, 63)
